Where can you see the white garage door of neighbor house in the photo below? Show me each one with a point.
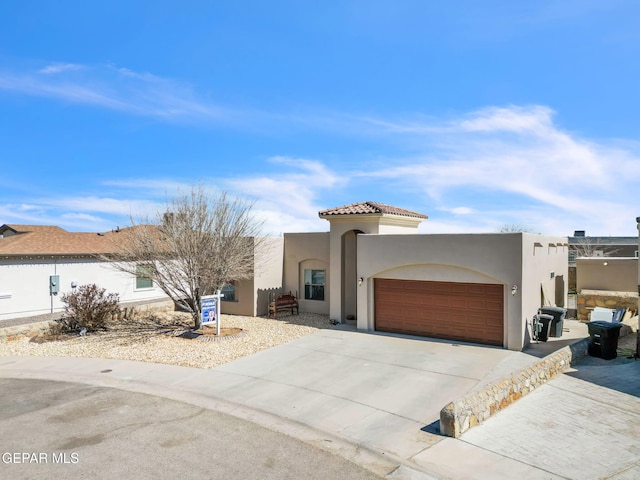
(468, 312)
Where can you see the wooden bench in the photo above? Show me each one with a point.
(283, 301)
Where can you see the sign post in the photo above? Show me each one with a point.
(210, 310)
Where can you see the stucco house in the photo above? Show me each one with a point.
(585, 255)
(372, 268)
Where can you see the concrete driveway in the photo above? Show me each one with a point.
(377, 390)
(372, 398)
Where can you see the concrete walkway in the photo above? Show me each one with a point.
(374, 399)
(570, 427)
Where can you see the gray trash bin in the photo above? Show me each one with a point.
(557, 324)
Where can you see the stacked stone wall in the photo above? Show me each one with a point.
(476, 407)
(589, 299)
(28, 330)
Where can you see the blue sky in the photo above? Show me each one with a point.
(476, 113)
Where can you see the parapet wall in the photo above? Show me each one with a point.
(589, 299)
(476, 407)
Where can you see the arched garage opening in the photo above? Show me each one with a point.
(469, 312)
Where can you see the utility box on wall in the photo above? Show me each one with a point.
(54, 284)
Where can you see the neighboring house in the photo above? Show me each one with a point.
(609, 274)
(580, 245)
(373, 269)
(40, 263)
(585, 247)
(33, 257)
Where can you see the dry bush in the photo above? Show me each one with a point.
(89, 308)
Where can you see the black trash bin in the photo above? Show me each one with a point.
(541, 326)
(603, 339)
(557, 324)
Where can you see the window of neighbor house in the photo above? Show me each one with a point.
(229, 292)
(143, 277)
(314, 284)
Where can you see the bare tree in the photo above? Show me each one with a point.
(194, 248)
(589, 247)
(515, 228)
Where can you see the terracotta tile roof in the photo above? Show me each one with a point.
(36, 240)
(369, 208)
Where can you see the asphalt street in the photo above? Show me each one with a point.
(70, 431)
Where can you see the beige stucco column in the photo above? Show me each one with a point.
(339, 227)
(358, 218)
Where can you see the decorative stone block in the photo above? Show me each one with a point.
(457, 417)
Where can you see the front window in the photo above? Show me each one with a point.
(229, 292)
(143, 277)
(314, 284)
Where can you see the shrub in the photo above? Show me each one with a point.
(89, 308)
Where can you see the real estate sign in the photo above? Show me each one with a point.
(209, 309)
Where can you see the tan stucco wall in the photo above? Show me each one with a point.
(475, 258)
(533, 263)
(543, 256)
(269, 272)
(619, 274)
(306, 250)
(367, 224)
(243, 304)
(252, 294)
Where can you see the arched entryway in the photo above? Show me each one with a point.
(349, 275)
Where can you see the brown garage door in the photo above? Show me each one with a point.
(469, 312)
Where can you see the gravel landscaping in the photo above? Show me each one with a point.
(156, 338)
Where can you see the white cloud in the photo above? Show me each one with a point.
(163, 188)
(521, 153)
(535, 119)
(99, 204)
(459, 210)
(116, 89)
(289, 200)
(59, 67)
(476, 172)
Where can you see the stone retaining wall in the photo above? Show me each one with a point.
(25, 330)
(589, 299)
(476, 407)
